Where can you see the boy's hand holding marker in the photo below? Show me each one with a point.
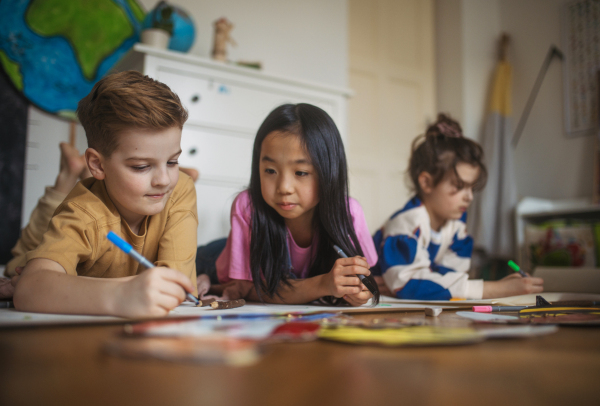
(151, 293)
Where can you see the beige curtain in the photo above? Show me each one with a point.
(493, 222)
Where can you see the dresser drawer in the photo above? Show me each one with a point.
(214, 208)
(229, 104)
(218, 157)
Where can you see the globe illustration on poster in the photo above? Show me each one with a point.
(54, 51)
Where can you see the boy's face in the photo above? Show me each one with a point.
(142, 172)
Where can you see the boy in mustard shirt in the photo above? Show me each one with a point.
(133, 127)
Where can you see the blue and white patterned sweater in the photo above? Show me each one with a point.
(419, 263)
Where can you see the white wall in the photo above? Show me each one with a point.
(548, 164)
(305, 39)
(301, 39)
(449, 57)
(480, 30)
(466, 57)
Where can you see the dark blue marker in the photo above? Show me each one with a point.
(362, 278)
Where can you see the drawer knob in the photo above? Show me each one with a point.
(195, 98)
(192, 151)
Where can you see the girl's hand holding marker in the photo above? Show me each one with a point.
(367, 286)
(344, 280)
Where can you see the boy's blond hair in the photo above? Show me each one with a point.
(127, 100)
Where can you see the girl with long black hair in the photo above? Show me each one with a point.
(284, 226)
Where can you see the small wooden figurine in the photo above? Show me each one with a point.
(222, 29)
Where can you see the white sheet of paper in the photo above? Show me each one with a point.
(12, 317)
(522, 300)
(529, 300)
(429, 303)
(189, 309)
(486, 316)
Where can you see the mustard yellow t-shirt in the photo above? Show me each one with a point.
(76, 236)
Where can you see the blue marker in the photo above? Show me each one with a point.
(128, 249)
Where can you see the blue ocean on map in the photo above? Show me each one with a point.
(53, 80)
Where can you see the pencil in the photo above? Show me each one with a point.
(128, 249)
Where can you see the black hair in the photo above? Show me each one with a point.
(331, 220)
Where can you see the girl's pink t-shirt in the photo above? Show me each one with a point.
(234, 261)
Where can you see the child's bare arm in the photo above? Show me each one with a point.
(512, 285)
(6, 288)
(300, 291)
(341, 281)
(44, 286)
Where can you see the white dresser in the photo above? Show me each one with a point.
(226, 105)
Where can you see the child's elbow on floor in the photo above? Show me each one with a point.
(21, 296)
(24, 293)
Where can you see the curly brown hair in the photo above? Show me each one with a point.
(440, 149)
(127, 100)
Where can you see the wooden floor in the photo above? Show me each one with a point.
(66, 366)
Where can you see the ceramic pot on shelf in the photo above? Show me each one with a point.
(156, 37)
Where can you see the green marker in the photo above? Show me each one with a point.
(516, 268)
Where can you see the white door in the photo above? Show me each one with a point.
(393, 75)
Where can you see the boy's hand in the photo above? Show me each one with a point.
(512, 285)
(152, 293)
(342, 279)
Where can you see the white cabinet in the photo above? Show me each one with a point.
(226, 105)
